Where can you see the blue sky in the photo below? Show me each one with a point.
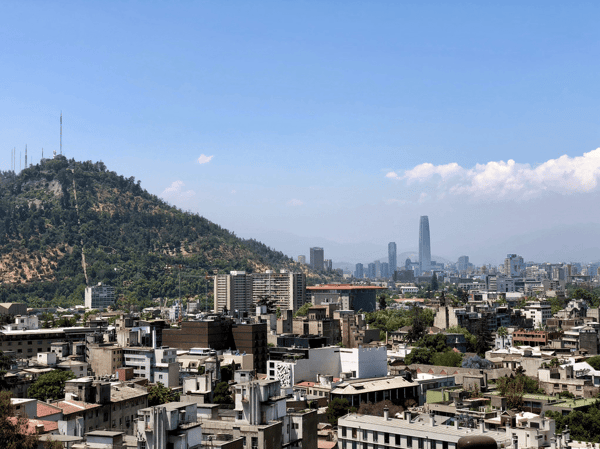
(327, 123)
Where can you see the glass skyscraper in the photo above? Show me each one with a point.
(393, 264)
(424, 244)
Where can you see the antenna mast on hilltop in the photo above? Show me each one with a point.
(60, 132)
(25, 155)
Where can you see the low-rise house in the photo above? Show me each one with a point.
(395, 389)
(558, 379)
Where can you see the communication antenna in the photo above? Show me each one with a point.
(60, 132)
(25, 155)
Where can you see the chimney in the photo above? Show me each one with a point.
(407, 416)
(386, 413)
(482, 426)
(432, 419)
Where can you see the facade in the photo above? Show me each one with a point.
(361, 391)
(27, 343)
(104, 359)
(99, 296)
(287, 290)
(348, 296)
(233, 291)
(463, 264)
(173, 425)
(156, 365)
(359, 271)
(539, 312)
(392, 261)
(514, 266)
(435, 432)
(317, 258)
(424, 244)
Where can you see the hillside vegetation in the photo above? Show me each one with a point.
(67, 224)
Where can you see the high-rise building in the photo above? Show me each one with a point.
(328, 265)
(393, 263)
(286, 290)
(424, 244)
(359, 272)
(514, 266)
(371, 271)
(302, 260)
(233, 291)
(317, 257)
(377, 269)
(99, 296)
(385, 270)
(463, 263)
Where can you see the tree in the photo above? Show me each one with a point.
(434, 283)
(159, 394)
(448, 358)
(594, 362)
(502, 333)
(469, 337)
(14, 432)
(514, 387)
(417, 329)
(483, 338)
(382, 303)
(337, 408)
(50, 385)
(221, 395)
(302, 311)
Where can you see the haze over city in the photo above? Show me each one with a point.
(308, 124)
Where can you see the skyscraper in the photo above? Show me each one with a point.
(393, 265)
(302, 260)
(317, 258)
(424, 244)
(359, 273)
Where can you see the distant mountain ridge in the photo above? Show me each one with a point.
(65, 224)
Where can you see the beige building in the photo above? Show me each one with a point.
(233, 291)
(104, 359)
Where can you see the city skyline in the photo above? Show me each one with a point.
(293, 134)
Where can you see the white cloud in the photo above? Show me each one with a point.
(233, 192)
(295, 202)
(509, 180)
(175, 191)
(203, 159)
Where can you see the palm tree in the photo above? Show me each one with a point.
(502, 332)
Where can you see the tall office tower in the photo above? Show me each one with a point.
(328, 265)
(463, 263)
(377, 269)
(385, 270)
(371, 271)
(393, 264)
(424, 245)
(287, 290)
(234, 291)
(317, 258)
(514, 266)
(359, 272)
(302, 260)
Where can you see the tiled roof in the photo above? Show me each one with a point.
(44, 409)
(69, 407)
(32, 425)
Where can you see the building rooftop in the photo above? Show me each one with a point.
(70, 407)
(357, 386)
(44, 409)
(344, 287)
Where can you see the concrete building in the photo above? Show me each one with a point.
(99, 297)
(359, 271)
(361, 391)
(436, 432)
(348, 296)
(317, 258)
(539, 312)
(514, 266)
(233, 292)
(287, 290)
(302, 260)
(309, 364)
(27, 343)
(173, 425)
(104, 359)
(154, 364)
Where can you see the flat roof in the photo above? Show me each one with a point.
(344, 287)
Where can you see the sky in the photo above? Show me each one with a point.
(327, 123)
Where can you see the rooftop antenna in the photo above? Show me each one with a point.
(60, 132)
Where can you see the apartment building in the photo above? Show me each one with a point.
(26, 343)
(154, 364)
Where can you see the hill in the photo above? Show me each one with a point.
(67, 224)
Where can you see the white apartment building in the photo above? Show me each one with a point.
(331, 360)
(539, 312)
(157, 365)
(173, 425)
(233, 291)
(433, 432)
(99, 296)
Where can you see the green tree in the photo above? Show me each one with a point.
(222, 395)
(448, 358)
(515, 386)
(434, 283)
(418, 326)
(302, 311)
(14, 432)
(502, 333)
(338, 408)
(469, 337)
(159, 394)
(594, 362)
(50, 385)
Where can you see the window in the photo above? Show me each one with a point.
(374, 436)
(240, 415)
(386, 438)
(409, 441)
(398, 440)
(364, 437)
(343, 431)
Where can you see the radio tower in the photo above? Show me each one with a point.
(60, 132)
